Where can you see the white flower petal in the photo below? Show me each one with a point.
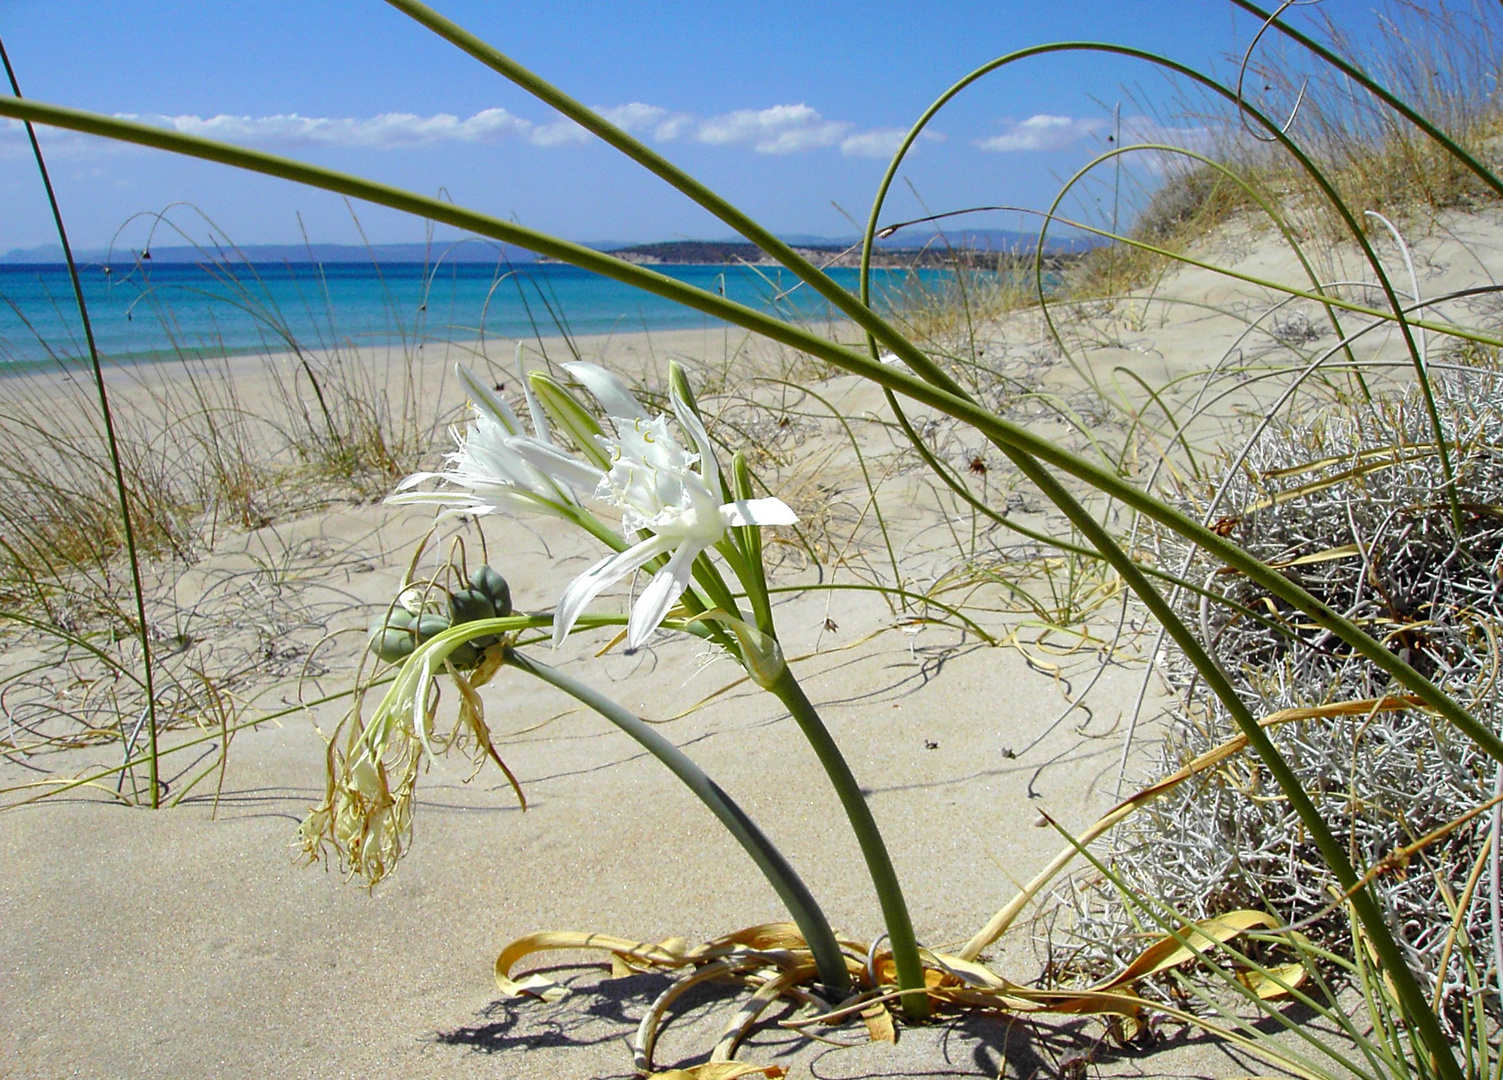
(554, 463)
(479, 510)
(417, 478)
(666, 586)
(758, 512)
(487, 401)
(606, 572)
(484, 460)
(610, 391)
(539, 418)
(709, 467)
(439, 498)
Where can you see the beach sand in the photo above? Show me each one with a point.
(193, 942)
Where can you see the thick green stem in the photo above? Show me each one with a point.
(889, 893)
(784, 879)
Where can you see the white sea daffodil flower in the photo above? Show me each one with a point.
(653, 481)
(487, 473)
(669, 496)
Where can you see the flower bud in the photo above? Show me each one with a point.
(570, 416)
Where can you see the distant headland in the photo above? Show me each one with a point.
(730, 253)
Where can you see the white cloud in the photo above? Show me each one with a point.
(636, 117)
(633, 116)
(878, 143)
(560, 132)
(385, 131)
(881, 142)
(1044, 132)
(781, 129)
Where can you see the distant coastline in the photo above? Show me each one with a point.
(976, 248)
(935, 256)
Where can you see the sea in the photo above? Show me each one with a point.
(173, 311)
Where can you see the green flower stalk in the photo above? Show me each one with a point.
(802, 906)
(675, 506)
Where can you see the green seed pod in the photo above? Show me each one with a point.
(431, 626)
(466, 655)
(467, 605)
(488, 582)
(394, 636)
(398, 618)
(391, 644)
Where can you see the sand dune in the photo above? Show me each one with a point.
(192, 942)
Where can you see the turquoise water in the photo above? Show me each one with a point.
(178, 309)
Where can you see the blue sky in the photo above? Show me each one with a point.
(791, 110)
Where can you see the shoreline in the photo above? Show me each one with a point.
(207, 311)
(255, 374)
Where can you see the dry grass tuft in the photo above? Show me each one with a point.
(1347, 504)
(1440, 59)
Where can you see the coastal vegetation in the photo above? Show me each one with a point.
(1293, 524)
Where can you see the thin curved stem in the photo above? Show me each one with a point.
(1210, 84)
(938, 394)
(956, 405)
(122, 493)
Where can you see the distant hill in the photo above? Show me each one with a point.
(921, 245)
(920, 236)
(463, 251)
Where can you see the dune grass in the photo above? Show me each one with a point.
(1441, 60)
(197, 467)
(1138, 507)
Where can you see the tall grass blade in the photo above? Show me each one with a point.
(114, 446)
